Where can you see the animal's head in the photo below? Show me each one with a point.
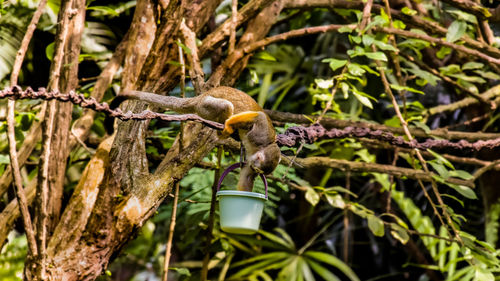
(265, 160)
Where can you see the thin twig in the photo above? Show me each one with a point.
(347, 230)
(366, 14)
(486, 168)
(170, 233)
(364, 167)
(419, 155)
(48, 126)
(176, 196)
(19, 190)
(234, 22)
(195, 70)
(211, 217)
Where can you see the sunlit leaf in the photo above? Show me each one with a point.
(312, 196)
(456, 30)
(335, 63)
(333, 261)
(376, 225)
(399, 233)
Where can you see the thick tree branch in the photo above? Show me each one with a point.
(286, 117)
(247, 12)
(471, 7)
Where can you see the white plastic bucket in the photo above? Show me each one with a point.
(240, 211)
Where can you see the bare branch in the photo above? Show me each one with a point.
(363, 167)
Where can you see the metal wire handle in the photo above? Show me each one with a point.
(235, 166)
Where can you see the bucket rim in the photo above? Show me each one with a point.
(241, 193)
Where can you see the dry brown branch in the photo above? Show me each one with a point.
(294, 33)
(19, 190)
(363, 167)
(475, 53)
(452, 158)
(195, 70)
(366, 14)
(171, 230)
(469, 6)
(25, 42)
(492, 165)
(234, 22)
(492, 93)
(48, 125)
(18, 183)
(246, 13)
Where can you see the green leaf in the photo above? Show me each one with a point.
(483, 275)
(376, 56)
(406, 88)
(368, 40)
(335, 200)
(468, 78)
(408, 11)
(456, 30)
(322, 271)
(441, 159)
(335, 63)
(345, 29)
(443, 52)
(399, 24)
(440, 169)
(49, 51)
(466, 191)
(461, 174)
(333, 261)
(384, 46)
(355, 69)
(399, 233)
(488, 74)
(472, 65)
(265, 56)
(104, 10)
(364, 100)
(185, 48)
(324, 84)
(450, 69)
(345, 89)
(426, 76)
(312, 196)
(376, 225)
(4, 159)
(277, 239)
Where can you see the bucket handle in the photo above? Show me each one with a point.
(235, 166)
